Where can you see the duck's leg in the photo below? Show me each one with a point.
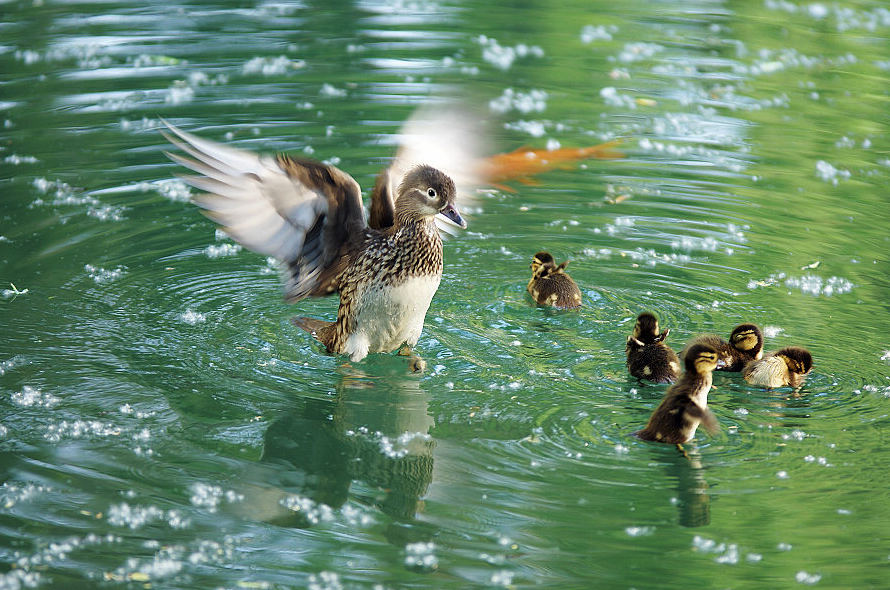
(682, 450)
(417, 364)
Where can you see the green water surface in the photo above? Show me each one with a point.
(162, 424)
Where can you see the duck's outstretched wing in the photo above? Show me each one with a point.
(447, 137)
(302, 212)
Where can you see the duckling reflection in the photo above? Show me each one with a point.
(374, 431)
(693, 500)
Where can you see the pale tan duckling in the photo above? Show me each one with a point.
(787, 367)
(648, 355)
(685, 404)
(745, 345)
(551, 285)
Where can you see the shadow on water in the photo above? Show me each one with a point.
(370, 440)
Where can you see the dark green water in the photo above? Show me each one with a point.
(163, 423)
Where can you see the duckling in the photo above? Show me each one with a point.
(550, 285)
(648, 356)
(685, 403)
(309, 215)
(745, 345)
(782, 368)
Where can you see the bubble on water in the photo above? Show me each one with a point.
(772, 331)
(533, 101)
(134, 517)
(210, 496)
(325, 581)
(782, 474)
(639, 531)
(421, 556)
(591, 33)
(829, 173)
(885, 356)
(179, 93)
(13, 493)
(784, 546)
(611, 97)
(103, 275)
(502, 57)
(806, 578)
(218, 251)
(33, 397)
(173, 189)
(731, 556)
(533, 128)
(502, 578)
(314, 512)
(16, 159)
(815, 285)
(638, 51)
(728, 553)
(330, 91)
(192, 317)
(75, 429)
(271, 66)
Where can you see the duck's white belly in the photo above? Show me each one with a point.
(386, 317)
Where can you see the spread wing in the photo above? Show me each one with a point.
(302, 212)
(445, 136)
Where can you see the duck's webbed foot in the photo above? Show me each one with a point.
(415, 363)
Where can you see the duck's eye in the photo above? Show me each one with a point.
(431, 192)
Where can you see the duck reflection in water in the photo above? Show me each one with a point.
(693, 500)
(371, 439)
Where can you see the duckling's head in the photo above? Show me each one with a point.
(701, 359)
(799, 360)
(543, 264)
(646, 328)
(747, 338)
(425, 192)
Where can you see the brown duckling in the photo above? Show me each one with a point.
(685, 404)
(550, 285)
(648, 356)
(782, 368)
(745, 345)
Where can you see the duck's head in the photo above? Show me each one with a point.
(543, 264)
(701, 359)
(748, 339)
(426, 192)
(646, 328)
(799, 360)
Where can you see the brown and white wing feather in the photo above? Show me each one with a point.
(301, 212)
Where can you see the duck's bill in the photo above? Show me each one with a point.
(449, 215)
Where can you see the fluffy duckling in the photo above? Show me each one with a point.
(550, 285)
(648, 356)
(685, 404)
(745, 345)
(782, 368)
